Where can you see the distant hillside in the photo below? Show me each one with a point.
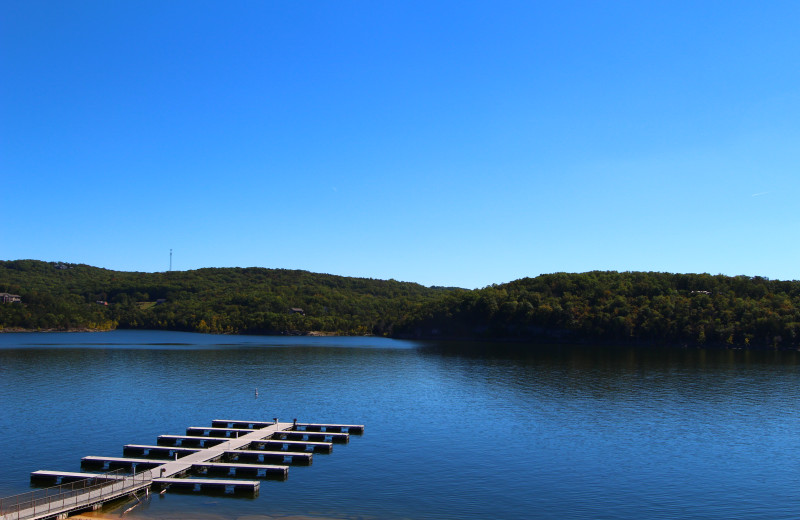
(597, 307)
(631, 307)
(224, 300)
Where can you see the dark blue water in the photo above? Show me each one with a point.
(451, 431)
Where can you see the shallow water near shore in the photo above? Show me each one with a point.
(453, 430)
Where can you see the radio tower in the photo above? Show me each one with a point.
(170, 260)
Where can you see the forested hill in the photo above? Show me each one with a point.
(222, 300)
(630, 307)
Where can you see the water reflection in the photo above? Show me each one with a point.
(462, 431)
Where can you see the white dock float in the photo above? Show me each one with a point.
(205, 431)
(248, 470)
(337, 438)
(277, 457)
(293, 446)
(93, 461)
(189, 441)
(353, 429)
(206, 485)
(150, 451)
(224, 423)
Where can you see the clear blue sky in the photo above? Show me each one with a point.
(457, 143)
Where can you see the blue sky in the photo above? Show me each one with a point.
(447, 143)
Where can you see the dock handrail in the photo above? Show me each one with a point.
(41, 502)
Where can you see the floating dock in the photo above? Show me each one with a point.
(202, 485)
(188, 441)
(277, 457)
(160, 452)
(172, 453)
(227, 448)
(208, 485)
(54, 478)
(336, 438)
(245, 470)
(355, 429)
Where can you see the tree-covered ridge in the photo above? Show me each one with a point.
(636, 307)
(222, 300)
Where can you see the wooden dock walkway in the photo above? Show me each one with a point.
(77, 496)
(183, 464)
(203, 449)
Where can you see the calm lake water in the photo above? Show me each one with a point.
(451, 432)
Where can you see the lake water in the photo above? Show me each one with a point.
(451, 432)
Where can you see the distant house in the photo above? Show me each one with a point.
(296, 310)
(10, 298)
(102, 302)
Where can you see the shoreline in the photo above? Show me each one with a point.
(313, 333)
(509, 342)
(79, 329)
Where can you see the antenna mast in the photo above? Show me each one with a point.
(170, 259)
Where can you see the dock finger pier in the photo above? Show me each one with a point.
(229, 457)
